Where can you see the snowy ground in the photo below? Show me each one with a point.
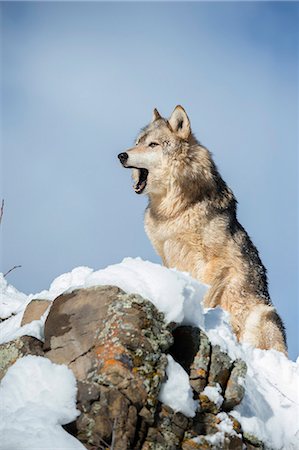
(269, 410)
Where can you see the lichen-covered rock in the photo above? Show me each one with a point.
(207, 405)
(115, 344)
(220, 368)
(234, 391)
(167, 432)
(13, 350)
(211, 443)
(199, 370)
(206, 433)
(204, 423)
(252, 443)
(236, 424)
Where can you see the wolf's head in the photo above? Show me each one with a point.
(158, 146)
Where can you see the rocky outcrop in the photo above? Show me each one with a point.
(116, 344)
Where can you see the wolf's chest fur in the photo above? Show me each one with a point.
(178, 243)
(188, 242)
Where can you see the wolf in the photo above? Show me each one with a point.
(192, 223)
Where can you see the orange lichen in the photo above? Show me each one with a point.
(201, 373)
(189, 443)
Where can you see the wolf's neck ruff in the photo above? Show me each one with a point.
(193, 180)
(191, 221)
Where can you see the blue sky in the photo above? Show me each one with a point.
(78, 82)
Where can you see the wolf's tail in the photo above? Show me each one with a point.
(264, 329)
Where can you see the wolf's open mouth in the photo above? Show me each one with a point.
(141, 183)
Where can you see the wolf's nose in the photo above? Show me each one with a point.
(123, 157)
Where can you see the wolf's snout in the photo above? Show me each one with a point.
(123, 157)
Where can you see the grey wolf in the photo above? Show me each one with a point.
(192, 223)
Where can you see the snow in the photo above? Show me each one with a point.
(214, 394)
(178, 383)
(11, 300)
(215, 439)
(270, 408)
(225, 427)
(37, 397)
(174, 293)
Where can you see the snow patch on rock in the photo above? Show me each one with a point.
(214, 394)
(37, 397)
(176, 392)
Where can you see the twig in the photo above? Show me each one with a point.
(10, 270)
(1, 210)
(112, 440)
(113, 434)
(103, 445)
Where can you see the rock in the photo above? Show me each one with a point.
(112, 416)
(167, 432)
(203, 435)
(252, 443)
(34, 310)
(203, 443)
(72, 324)
(236, 424)
(115, 344)
(233, 443)
(199, 370)
(88, 392)
(220, 368)
(204, 423)
(234, 391)
(207, 405)
(13, 350)
(194, 443)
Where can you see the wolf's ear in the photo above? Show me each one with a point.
(180, 123)
(156, 115)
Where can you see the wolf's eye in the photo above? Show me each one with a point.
(153, 144)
